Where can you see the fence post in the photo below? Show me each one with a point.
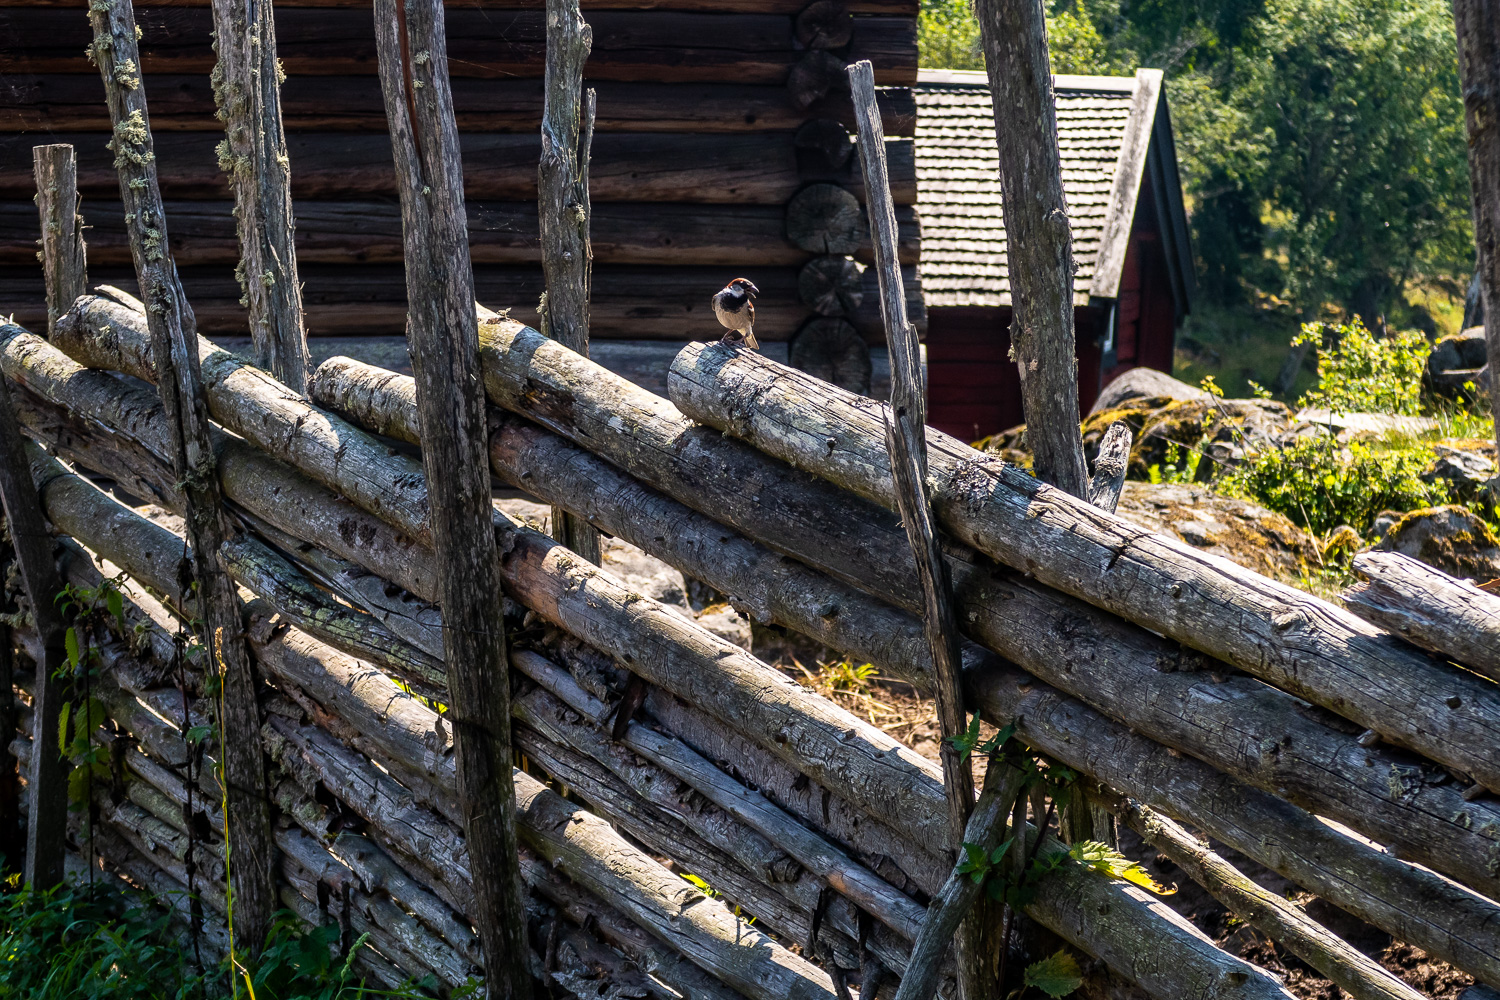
(906, 441)
(63, 260)
(443, 335)
(46, 824)
(247, 89)
(1039, 240)
(563, 211)
(175, 357)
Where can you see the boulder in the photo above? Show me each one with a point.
(1239, 530)
(1451, 538)
(1354, 425)
(1458, 359)
(1143, 382)
(1226, 430)
(1468, 471)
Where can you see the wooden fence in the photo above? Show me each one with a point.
(1351, 760)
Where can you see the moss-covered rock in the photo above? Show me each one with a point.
(1450, 538)
(1238, 530)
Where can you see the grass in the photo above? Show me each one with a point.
(103, 941)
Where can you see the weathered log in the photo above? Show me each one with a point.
(1042, 632)
(832, 350)
(830, 286)
(649, 45)
(353, 104)
(1477, 26)
(825, 24)
(826, 219)
(442, 334)
(502, 232)
(64, 261)
(761, 168)
(563, 210)
(1280, 920)
(247, 81)
(1428, 608)
(26, 524)
(824, 860)
(173, 338)
(1109, 467)
(818, 74)
(986, 827)
(1039, 243)
(1283, 636)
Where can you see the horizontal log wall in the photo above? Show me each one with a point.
(696, 156)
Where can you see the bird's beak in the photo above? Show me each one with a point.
(753, 289)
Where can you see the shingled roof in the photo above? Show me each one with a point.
(1105, 130)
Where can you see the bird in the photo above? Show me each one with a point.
(734, 305)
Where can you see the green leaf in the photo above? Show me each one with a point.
(1108, 861)
(998, 854)
(116, 605)
(197, 734)
(1056, 976)
(62, 727)
(70, 639)
(965, 742)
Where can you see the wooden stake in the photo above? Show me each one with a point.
(1477, 23)
(63, 259)
(563, 211)
(247, 89)
(1109, 467)
(46, 825)
(906, 442)
(174, 353)
(443, 336)
(1039, 239)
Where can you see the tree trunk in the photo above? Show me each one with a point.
(247, 89)
(563, 210)
(1477, 24)
(1039, 240)
(173, 338)
(1271, 630)
(64, 263)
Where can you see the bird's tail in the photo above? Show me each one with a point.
(750, 340)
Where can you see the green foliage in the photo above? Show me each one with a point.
(1358, 373)
(99, 942)
(1056, 976)
(1321, 485)
(948, 36)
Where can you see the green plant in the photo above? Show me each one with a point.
(1320, 484)
(1057, 975)
(1359, 373)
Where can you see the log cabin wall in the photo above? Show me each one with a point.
(722, 150)
(1134, 280)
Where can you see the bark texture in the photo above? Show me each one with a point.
(247, 88)
(1039, 248)
(173, 338)
(1274, 632)
(64, 263)
(441, 331)
(1477, 23)
(1428, 608)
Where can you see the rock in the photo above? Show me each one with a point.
(1241, 531)
(1143, 382)
(1225, 430)
(1384, 522)
(1367, 424)
(1452, 539)
(1456, 359)
(1466, 472)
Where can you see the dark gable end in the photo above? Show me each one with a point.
(1135, 277)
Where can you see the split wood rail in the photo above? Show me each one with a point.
(1358, 763)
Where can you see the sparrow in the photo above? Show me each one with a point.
(734, 306)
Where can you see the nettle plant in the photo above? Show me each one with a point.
(1013, 871)
(86, 609)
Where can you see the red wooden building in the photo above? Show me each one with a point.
(1130, 240)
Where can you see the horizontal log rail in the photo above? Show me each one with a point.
(760, 168)
(1428, 608)
(184, 102)
(659, 46)
(332, 232)
(1282, 635)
